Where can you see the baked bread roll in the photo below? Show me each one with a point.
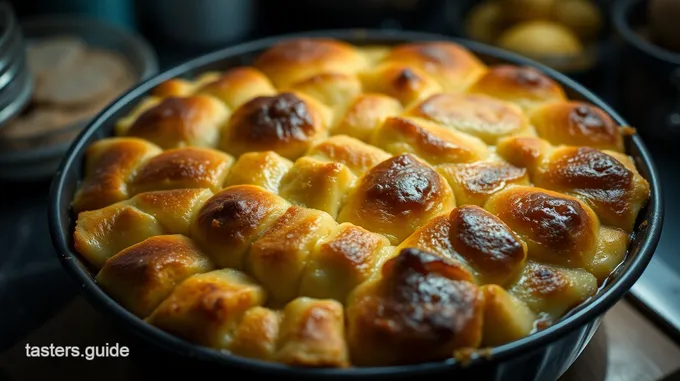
(237, 86)
(278, 258)
(174, 209)
(264, 169)
(358, 156)
(317, 184)
(287, 123)
(101, 233)
(450, 64)
(348, 256)
(297, 59)
(479, 115)
(232, 219)
(473, 183)
(335, 90)
(110, 165)
(422, 308)
(605, 180)
(182, 87)
(365, 114)
(557, 228)
(405, 83)
(429, 141)
(190, 167)
(207, 308)
(257, 334)
(474, 239)
(506, 317)
(143, 275)
(578, 124)
(608, 184)
(176, 122)
(523, 85)
(396, 196)
(313, 334)
(553, 290)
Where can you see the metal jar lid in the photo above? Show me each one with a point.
(16, 81)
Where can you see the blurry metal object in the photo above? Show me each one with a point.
(16, 81)
(198, 23)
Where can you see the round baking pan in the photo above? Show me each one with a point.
(544, 355)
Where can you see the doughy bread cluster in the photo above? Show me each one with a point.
(334, 205)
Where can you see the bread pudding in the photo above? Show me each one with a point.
(334, 205)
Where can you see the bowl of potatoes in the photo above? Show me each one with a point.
(567, 35)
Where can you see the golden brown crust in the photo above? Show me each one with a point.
(523, 151)
(332, 89)
(173, 209)
(297, 59)
(238, 85)
(474, 183)
(451, 64)
(230, 220)
(206, 308)
(577, 123)
(506, 318)
(405, 83)
(109, 167)
(341, 261)
(317, 184)
(418, 311)
(143, 275)
(278, 258)
(522, 85)
(265, 169)
(175, 87)
(257, 334)
(313, 334)
(358, 156)
(479, 115)
(396, 196)
(365, 114)
(557, 228)
(189, 167)
(429, 141)
(487, 244)
(181, 121)
(287, 123)
(614, 192)
(553, 290)
(101, 233)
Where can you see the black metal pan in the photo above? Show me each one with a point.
(545, 355)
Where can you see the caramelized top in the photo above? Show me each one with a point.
(577, 123)
(401, 184)
(283, 123)
(523, 85)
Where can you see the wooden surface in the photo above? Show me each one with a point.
(626, 347)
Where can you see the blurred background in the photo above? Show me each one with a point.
(626, 51)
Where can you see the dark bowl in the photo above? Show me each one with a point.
(585, 70)
(649, 77)
(542, 356)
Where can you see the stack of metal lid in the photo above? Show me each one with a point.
(16, 81)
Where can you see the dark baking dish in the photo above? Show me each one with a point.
(545, 355)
